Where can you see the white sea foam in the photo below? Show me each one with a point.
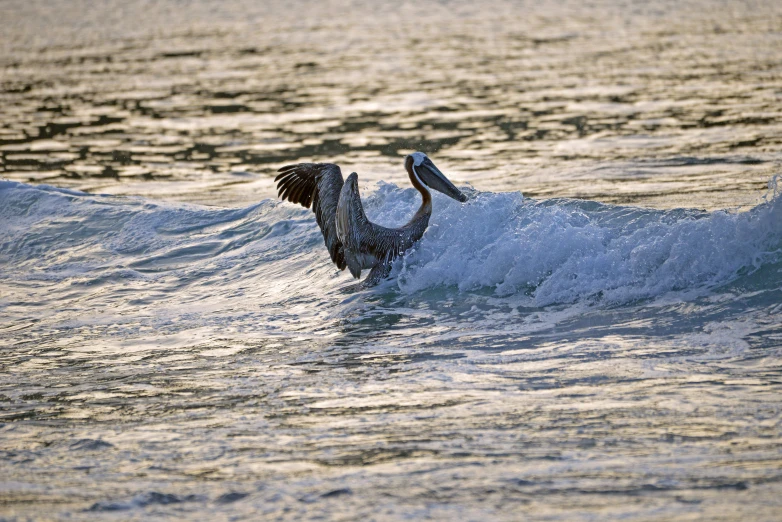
(553, 251)
(566, 250)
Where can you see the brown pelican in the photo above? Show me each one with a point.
(354, 241)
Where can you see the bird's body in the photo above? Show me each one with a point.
(353, 241)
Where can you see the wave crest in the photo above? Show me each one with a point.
(560, 251)
(551, 251)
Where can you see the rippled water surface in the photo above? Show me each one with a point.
(596, 334)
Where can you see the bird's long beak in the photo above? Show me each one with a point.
(436, 180)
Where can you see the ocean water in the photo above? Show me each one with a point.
(596, 334)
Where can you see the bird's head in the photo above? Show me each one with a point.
(423, 168)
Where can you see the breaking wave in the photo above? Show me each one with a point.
(552, 251)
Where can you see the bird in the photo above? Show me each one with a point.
(352, 240)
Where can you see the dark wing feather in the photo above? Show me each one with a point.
(319, 185)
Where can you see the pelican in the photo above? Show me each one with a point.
(352, 240)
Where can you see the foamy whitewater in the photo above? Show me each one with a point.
(200, 265)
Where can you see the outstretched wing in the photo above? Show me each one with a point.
(353, 227)
(319, 185)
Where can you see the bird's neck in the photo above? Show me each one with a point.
(426, 196)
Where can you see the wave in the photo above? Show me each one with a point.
(560, 251)
(550, 251)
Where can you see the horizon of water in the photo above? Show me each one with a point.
(595, 334)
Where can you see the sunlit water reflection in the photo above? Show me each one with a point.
(532, 357)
